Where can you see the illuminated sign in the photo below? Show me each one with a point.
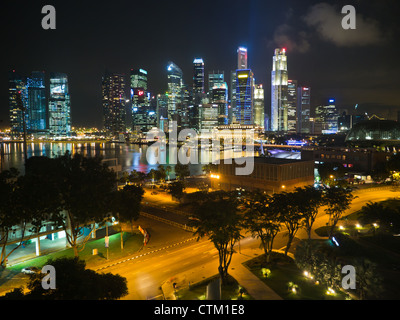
(240, 76)
(58, 89)
(143, 71)
(140, 93)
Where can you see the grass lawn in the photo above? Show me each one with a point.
(132, 243)
(229, 291)
(284, 271)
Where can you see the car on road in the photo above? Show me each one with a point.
(30, 270)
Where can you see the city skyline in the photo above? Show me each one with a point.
(360, 75)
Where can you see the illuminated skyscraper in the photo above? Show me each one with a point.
(242, 58)
(37, 104)
(59, 105)
(243, 111)
(198, 76)
(258, 106)
(304, 110)
(220, 98)
(215, 78)
(292, 106)
(326, 118)
(113, 92)
(175, 84)
(17, 83)
(143, 113)
(279, 82)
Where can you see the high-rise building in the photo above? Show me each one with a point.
(326, 118)
(208, 116)
(143, 112)
(243, 111)
(304, 124)
(279, 82)
(17, 85)
(37, 102)
(175, 83)
(215, 78)
(259, 119)
(220, 98)
(59, 105)
(242, 58)
(232, 98)
(139, 79)
(292, 106)
(198, 76)
(113, 93)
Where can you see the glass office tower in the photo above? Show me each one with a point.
(175, 83)
(16, 84)
(304, 110)
(59, 105)
(279, 82)
(198, 76)
(215, 78)
(143, 112)
(220, 98)
(37, 104)
(292, 106)
(259, 106)
(243, 111)
(113, 94)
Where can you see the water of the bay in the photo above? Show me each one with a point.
(129, 156)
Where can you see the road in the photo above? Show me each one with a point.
(173, 255)
(194, 261)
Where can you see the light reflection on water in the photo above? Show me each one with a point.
(130, 156)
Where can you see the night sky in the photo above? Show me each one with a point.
(354, 66)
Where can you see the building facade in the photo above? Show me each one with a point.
(279, 83)
(304, 123)
(271, 175)
(37, 109)
(292, 106)
(259, 106)
(113, 94)
(59, 105)
(243, 110)
(17, 86)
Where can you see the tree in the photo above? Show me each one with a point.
(330, 173)
(10, 217)
(74, 282)
(162, 172)
(128, 203)
(168, 170)
(176, 189)
(387, 218)
(368, 280)
(262, 220)
(182, 171)
(210, 167)
(86, 188)
(309, 200)
(137, 177)
(286, 204)
(220, 221)
(337, 201)
(380, 172)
